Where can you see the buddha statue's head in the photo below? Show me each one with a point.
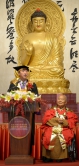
(38, 13)
(38, 19)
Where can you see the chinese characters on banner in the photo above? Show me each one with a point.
(24, 1)
(10, 29)
(74, 53)
(59, 3)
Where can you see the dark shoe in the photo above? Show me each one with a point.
(46, 160)
(59, 160)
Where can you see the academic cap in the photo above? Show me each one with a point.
(17, 68)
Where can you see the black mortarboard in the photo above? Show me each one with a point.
(17, 68)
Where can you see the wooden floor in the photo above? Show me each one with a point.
(40, 163)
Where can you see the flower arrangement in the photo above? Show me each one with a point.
(16, 100)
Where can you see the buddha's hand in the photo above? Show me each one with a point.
(29, 47)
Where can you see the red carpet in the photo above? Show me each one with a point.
(40, 163)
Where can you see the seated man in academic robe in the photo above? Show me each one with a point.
(58, 131)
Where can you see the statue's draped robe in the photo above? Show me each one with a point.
(48, 61)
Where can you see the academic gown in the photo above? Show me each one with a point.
(55, 137)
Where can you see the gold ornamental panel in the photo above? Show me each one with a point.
(53, 86)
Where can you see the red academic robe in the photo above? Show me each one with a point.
(67, 131)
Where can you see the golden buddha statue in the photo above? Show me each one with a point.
(41, 47)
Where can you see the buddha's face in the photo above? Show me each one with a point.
(38, 24)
